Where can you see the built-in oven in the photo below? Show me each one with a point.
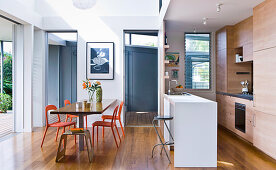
(240, 116)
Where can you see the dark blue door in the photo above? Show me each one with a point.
(141, 79)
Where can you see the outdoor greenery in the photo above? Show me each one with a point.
(6, 95)
(5, 102)
(7, 74)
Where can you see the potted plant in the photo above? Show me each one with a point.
(5, 102)
(92, 88)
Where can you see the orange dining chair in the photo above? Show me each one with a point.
(67, 102)
(57, 124)
(118, 117)
(111, 124)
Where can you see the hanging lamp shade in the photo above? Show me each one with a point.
(84, 4)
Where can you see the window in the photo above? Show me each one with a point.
(141, 39)
(197, 61)
(6, 72)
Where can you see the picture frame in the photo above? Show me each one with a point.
(100, 60)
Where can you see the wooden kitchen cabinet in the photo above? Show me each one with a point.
(227, 79)
(226, 115)
(264, 81)
(248, 52)
(243, 32)
(264, 25)
(264, 133)
(221, 71)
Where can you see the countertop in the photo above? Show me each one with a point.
(238, 95)
(186, 98)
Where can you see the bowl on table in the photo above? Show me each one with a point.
(178, 89)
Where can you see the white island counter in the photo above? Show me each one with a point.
(194, 128)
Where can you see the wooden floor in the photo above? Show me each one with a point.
(23, 151)
(139, 119)
(6, 124)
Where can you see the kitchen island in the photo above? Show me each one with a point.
(194, 128)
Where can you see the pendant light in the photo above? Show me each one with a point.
(84, 4)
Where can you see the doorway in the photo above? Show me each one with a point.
(6, 77)
(141, 77)
(61, 68)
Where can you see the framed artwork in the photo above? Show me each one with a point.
(173, 58)
(100, 60)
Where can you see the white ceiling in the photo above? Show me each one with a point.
(5, 30)
(185, 15)
(102, 8)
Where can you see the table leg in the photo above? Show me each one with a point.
(81, 139)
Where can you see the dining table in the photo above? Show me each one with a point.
(95, 108)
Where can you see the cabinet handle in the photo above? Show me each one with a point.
(254, 120)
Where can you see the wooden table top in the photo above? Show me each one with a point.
(95, 108)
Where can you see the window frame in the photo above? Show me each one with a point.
(210, 62)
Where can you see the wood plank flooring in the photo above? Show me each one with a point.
(139, 119)
(6, 124)
(22, 151)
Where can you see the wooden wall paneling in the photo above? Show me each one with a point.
(243, 32)
(264, 25)
(221, 70)
(221, 39)
(264, 136)
(264, 80)
(248, 52)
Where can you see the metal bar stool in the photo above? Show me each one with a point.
(164, 118)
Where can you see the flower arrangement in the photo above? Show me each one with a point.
(91, 88)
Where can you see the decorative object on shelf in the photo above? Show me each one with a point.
(91, 88)
(84, 4)
(173, 57)
(239, 58)
(175, 73)
(244, 87)
(100, 60)
(166, 73)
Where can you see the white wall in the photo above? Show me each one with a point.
(102, 29)
(6, 29)
(176, 42)
(38, 78)
(20, 11)
(102, 8)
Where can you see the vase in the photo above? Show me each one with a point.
(99, 94)
(90, 95)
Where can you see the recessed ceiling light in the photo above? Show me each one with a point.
(205, 21)
(84, 4)
(219, 7)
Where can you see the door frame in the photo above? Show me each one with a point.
(46, 61)
(124, 66)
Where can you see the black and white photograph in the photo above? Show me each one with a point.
(100, 56)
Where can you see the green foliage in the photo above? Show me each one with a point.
(5, 102)
(7, 74)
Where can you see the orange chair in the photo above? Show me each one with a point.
(109, 117)
(57, 124)
(67, 102)
(111, 124)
